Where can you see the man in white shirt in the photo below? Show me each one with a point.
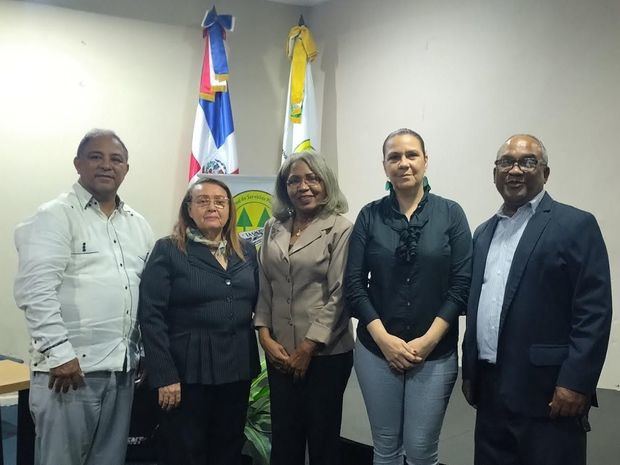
(80, 260)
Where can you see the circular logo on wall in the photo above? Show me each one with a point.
(253, 211)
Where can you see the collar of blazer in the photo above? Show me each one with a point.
(527, 243)
(281, 233)
(200, 256)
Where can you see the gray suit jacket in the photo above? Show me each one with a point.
(301, 289)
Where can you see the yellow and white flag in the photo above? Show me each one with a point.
(300, 121)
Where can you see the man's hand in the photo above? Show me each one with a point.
(568, 403)
(399, 355)
(169, 396)
(467, 392)
(66, 375)
(300, 360)
(275, 352)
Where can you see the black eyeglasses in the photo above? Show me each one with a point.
(526, 164)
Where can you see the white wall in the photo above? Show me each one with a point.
(64, 71)
(467, 74)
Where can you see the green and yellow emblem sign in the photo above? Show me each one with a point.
(253, 211)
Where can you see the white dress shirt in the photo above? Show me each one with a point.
(499, 260)
(77, 282)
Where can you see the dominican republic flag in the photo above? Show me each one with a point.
(300, 120)
(214, 150)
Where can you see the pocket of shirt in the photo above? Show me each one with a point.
(83, 259)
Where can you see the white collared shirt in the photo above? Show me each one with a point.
(499, 260)
(77, 282)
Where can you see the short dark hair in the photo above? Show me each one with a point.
(403, 132)
(96, 133)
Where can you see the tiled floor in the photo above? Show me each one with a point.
(457, 436)
(456, 445)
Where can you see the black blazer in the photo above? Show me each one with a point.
(196, 317)
(556, 315)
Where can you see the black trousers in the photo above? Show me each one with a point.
(309, 410)
(207, 427)
(505, 438)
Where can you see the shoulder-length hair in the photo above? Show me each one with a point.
(335, 201)
(229, 232)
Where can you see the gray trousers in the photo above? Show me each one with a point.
(88, 426)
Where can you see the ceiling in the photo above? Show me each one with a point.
(300, 2)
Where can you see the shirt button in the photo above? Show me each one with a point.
(288, 280)
(228, 282)
(408, 280)
(125, 287)
(408, 304)
(288, 301)
(120, 264)
(290, 322)
(228, 299)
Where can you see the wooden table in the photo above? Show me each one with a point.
(13, 376)
(16, 377)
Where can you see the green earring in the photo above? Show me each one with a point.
(388, 185)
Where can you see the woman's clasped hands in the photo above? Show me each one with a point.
(296, 363)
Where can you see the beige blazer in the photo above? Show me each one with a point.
(301, 289)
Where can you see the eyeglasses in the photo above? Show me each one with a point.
(204, 201)
(526, 164)
(311, 180)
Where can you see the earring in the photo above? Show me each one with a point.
(388, 185)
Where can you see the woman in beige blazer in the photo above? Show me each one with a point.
(303, 324)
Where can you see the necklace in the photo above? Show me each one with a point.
(302, 227)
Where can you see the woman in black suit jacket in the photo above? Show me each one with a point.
(197, 294)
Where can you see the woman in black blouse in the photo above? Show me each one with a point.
(407, 281)
(197, 295)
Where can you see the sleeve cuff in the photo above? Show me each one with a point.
(366, 314)
(261, 319)
(59, 355)
(319, 333)
(581, 383)
(160, 381)
(449, 311)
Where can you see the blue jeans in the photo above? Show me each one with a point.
(405, 411)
